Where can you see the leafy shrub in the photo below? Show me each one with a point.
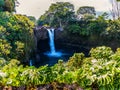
(75, 61)
(4, 48)
(101, 70)
(101, 52)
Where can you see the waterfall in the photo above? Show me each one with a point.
(30, 62)
(51, 42)
(52, 52)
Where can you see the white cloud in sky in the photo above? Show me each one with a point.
(38, 7)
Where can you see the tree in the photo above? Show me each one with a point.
(98, 26)
(8, 5)
(113, 30)
(60, 12)
(16, 32)
(32, 18)
(86, 12)
(74, 29)
(1, 5)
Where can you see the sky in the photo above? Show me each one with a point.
(38, 7)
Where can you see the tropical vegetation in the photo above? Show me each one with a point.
(84, 25)
(100, 70)
(16, 36)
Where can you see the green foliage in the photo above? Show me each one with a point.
(12, 73)
(2, 62)
(16, 32)
(58, 70)
(4, 48)
(98, 70)
(101, 52)
(30, 76)
(84, 25)
(101, 70)
(2, 3)
(89, 27)
(88, 17)
(116, 56)
(74, 29)
(32, 18)
(58, 14)
(86, 10)
(113, 29)
(98, 26)
(75, 61)
(97, 30)
(7, 5)
(2, 31)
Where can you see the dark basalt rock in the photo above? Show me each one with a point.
(40, 33)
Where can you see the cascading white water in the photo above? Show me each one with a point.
(52, 52)
(51, 42)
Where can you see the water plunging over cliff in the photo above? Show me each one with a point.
(51, 42)
(52, 52)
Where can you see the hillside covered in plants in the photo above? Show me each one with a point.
(83, 26)
(98, 70)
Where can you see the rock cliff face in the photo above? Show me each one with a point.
(58, 34)
(62, 37)
(40, 33)
(42, 38)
